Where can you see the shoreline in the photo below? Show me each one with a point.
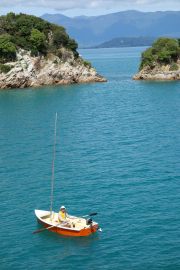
(28, 71)
(104, 80)
(158, 73)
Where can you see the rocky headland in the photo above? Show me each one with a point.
(160, 62)
(159, 73)
(29, 71)
(34, 53)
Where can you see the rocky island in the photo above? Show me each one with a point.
(34, 52)
(161, 61)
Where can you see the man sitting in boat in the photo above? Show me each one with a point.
(62, 217)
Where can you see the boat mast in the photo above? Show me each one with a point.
(53, 162)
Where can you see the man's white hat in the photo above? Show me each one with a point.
(63, 207)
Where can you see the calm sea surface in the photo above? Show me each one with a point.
(118, 154)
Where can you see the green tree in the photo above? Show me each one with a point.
(38, 40)
(167, 49)
(148, 58)
(60, 38)
(7, 49)
(72, 45)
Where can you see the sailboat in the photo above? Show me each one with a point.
(74, 226)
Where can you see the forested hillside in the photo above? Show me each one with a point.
(33, 34)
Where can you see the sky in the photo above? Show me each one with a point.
(85, 7)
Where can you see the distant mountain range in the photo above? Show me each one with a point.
(127, 42)
(90, 31)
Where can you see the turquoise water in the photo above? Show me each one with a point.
(118, 154)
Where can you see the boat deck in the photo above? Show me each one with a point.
(74, 222)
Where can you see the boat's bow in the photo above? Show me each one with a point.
(41, 213)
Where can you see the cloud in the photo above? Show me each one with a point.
(91, 4)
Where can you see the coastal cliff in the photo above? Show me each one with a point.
(159, 73)
(34, 52)
(30, 71)
(161, 61)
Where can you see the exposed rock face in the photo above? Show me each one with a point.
(159, 73)
(30, 71)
